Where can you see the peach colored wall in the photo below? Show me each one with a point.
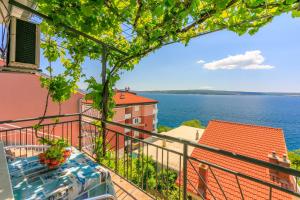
(138, 112)
(119, 114)
(148, 110)
(21, 96)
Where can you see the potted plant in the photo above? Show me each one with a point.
(56, 154)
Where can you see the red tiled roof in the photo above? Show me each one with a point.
(125, 98)
(249, 140)
(129, 98)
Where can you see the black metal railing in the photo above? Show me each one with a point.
(161, 165)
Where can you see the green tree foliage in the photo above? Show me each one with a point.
(162, 128)
(143, 171)
(193, 123)
(294, 157)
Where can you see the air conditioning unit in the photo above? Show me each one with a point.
(23, 45)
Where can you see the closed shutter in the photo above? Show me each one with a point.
(25, 42)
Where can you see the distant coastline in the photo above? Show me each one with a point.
(219, 92)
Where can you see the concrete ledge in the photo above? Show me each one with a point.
(5, 183)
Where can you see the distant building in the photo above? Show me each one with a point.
(263, 143)
(131, 109)
(170, 159)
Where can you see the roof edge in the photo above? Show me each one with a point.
(245, 124)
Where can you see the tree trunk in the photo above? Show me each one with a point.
(104, 94)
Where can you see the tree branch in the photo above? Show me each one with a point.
(138, 13)
(115, 11)
(204, 17)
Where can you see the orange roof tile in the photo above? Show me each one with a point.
(249, 140)
(127, 98)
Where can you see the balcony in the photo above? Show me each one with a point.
(152, 169)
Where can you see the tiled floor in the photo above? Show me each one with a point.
(127, 191)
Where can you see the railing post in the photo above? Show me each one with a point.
(185, 149)
(80, 132)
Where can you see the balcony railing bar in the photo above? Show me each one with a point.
(145, 142)
(156, 171)
(27, 127)
(238, 182)
(246, 177)
(38, 118)
(202, 180)
(147, 164)
(184, 169)
(214, 150)
(270, 193)
(131, 157)
(213, 173)
(167, 170)
(180, 176)
(199, 193)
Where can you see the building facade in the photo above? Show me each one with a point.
(131, 109)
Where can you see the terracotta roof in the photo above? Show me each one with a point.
(249, 140)
(127, 98)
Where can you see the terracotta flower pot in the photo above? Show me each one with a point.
(42, 158)
(54, 162)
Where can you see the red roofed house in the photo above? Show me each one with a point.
(131, 109)
(135, 110)
(263, 143)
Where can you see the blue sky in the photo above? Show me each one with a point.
(273, 56)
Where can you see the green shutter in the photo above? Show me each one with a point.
(25, 42)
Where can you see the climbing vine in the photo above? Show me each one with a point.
(138, 28)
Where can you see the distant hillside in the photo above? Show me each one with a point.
(217, 92)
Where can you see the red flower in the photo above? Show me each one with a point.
(67, 153)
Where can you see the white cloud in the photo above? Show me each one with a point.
(200, 61)
(250, 60)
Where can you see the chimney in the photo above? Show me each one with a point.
(278, 176)
(122, 96)
(164, 143)
(202, 179)
(273, 158)
(197, 135)
(284, 178)
(284, 161)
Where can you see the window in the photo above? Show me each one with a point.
(137, 120)
(136, 108)
(136, 134)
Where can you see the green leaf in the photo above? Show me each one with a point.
(296, 13)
